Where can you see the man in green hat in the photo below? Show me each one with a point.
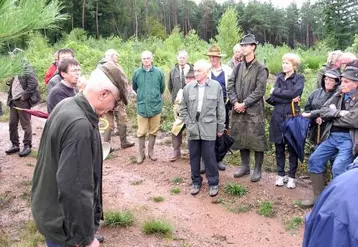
(246, 91)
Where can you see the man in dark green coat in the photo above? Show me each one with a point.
(148, 83)
(66, 199)
(246, 90)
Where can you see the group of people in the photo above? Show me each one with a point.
(210, 100)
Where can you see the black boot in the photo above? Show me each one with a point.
(221, 166)
(26, 151)
(244, 169)
(259, 159)
(13, 149)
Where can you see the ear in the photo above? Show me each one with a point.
(62, 73)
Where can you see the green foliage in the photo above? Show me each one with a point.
(229, 31)
(161, 227)
(354, 47)
(157, 199)
(294, 223)
(242, 208)
(266, 209)
(29, 236)
(235, 189)
(118, 219)
(177, 180)
(175, 191)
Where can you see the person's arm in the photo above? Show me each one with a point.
(162, 82)
(184, 114)
(260, 89)
(32, 83)
(75, 182)
(134, 82)
(231, 90)
(290, 93)
(170, 82)
(329, 110)
(220, 112)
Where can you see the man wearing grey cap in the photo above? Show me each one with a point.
(339, 138)
(66, 199)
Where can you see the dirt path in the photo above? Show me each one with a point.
(198, 221)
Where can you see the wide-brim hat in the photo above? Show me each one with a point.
(351, 73)
(249, 39)
(214, 51)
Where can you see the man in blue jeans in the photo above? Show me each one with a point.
(340, 135)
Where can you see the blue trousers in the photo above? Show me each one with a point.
(339, 143)
(203, 149)
(52, 244)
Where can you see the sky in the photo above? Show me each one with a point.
(276, 3)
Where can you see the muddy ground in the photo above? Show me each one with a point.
(197, 220)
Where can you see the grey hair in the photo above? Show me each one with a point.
(144, 53)
(110, 52)
(184, 53)
(202, 64)
(333, 56)
(236, 47)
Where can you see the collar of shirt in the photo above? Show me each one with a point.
(348, 95)
(202, 85)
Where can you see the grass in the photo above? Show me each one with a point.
(4, 201)
(34, 154)
(111, 156)
(242, 208)
(133, 159)
(29, 236)
(294, 223)
(298, 203)
(154, 226)
(266, 209)
(137, 182)
(177, 180)
(157, 199)
(175, 191)
(4, 239)
(118, 218)
(235, 189)
(6, 114)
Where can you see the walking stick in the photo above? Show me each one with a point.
(318, 133)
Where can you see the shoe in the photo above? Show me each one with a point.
(13, 149)
(221, 166)
(285, 179)
(213, 190)
(291, 184)
(195, 189)
(100, 238)
(280, 181)
(26, 151)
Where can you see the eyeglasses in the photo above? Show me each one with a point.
(327, 79)
(116, 101)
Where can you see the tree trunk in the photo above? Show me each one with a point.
(97, 24)
(308, 34)
(146, 17)
(83, 13)
(135, 18)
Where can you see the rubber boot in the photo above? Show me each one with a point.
(122, 129)
(176, 140)
(259, 159)
(141, 150)
(244, 169)
(107, 135)
(318, 184)
(151, 148)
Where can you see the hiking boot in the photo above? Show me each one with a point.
(151, 147)
(318, 184)
(13, 149)
(141, 150)
(213, 190)
(122, 131)
(280, 181)
(221, 166)
(195, 189)
(26, 151)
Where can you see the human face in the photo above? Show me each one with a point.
(215, 61)
(238, 53)
(329, 83)
(189, 79)
(247, 49)
(182, 59)
(147, 60)
(72, 75)
(200, 74)
(287, 66)
(108, 100)
(114, 58)
(64, 56)
(348, 85)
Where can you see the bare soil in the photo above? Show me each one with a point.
(198, 220)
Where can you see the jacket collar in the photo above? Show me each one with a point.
(207, 82)
(282, 76)
(87, 109)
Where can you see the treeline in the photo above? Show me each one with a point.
(335, 21)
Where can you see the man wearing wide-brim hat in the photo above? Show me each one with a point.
(246, 91)
(340, 137)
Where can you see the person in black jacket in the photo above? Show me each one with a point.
(22, 93)
(286, 92)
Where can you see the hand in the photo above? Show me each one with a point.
(319, 121)
(220, 134)
(240, 107)
(306, 114)
(95, 243)
(333, 107)
(297, 99)
(343, 113)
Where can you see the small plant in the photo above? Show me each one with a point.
(29, 235)
(34, 154)
(118, 219)
(294, 223)
(133, 159)
(266, 209)
(137, 182)
(110, 156)
(157, 199)
(298, 203)
(30, 164)
(157, 227)
(240, 208)
(177, 180)
(175, 191)
(4, 201)
(235, 189)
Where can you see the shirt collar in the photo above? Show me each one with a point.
(348, 95)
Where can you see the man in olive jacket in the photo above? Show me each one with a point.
(248, 115)
(66, 198)
(148, 82)
(203, 112)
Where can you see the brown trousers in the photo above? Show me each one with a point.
(25, 121)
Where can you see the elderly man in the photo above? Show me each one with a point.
(66, 199)
(56, 78)
(176, 82)
(339, 138)
(148, 83)
(237, 57)
(119, 114)
(246, 91)
(23, 93)
(203, 112)
(70, 71)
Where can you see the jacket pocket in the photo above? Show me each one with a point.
(193, 129)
